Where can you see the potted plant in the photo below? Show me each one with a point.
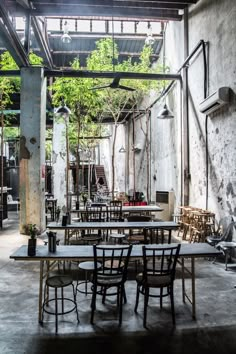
(32, 241)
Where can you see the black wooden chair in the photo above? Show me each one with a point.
(159, 264)
(137, 236)
(112, 274)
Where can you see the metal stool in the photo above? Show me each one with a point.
(118, 238)
(87, 267)
(56, 282)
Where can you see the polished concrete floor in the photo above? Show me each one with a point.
(213, 331)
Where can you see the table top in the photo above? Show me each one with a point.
(187, 250)
(128, 208)
(114, 225)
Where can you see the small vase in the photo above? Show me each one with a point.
(32, 246)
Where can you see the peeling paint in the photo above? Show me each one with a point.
(24, 152)
(230, 190)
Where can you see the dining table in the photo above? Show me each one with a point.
(117, 225)
(83, 252)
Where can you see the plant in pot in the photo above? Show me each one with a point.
(32, 241)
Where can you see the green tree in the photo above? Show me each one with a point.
(115, 101)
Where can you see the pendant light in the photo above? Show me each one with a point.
(63, 109)
(165, 112)
(66, 38)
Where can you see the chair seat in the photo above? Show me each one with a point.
(59, 281)
(109, 280)
(154, 281)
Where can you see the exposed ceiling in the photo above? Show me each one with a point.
(48, 44)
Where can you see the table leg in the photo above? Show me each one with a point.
(183, 280)
(193, 288)
(40, 292)
(191, 299)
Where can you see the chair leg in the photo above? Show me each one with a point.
(137, 298)
(56, 309)
(146, 296)
(161, 297)
(93, 303)
(121, 295)
(172, 304)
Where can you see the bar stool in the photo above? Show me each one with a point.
(59, 282)
(87, 267)
(118, 238)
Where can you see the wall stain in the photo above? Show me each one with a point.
(217, 130)
(24, 152)
(221, 186)
(230, 190)
(219, 199)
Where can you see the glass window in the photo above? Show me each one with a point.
(20, 23)
(83, 25)
(128, 27)
(117, 26)
(98, 26)
(53, 24)
(142, 27)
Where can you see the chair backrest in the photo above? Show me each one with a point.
(92, 214)
(114, 261)
(114, 212)
(156, 235)
(229, 234)
(115, 203)
(160, 261)
(133, 218)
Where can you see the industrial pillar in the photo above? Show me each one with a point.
(32, 147)
(59, 160)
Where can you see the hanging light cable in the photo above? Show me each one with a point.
(165, 112)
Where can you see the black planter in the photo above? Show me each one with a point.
(32, 246)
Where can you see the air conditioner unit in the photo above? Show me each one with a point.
(215, 101)
(165, 200)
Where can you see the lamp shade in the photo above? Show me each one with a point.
(66, 38)
(122, 149)
(63, 109)
(165, 113)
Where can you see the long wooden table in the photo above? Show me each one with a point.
(119, 225)
(128, 209)
(78, 253)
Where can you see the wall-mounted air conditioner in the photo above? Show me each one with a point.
(215, 101)
(165, 200)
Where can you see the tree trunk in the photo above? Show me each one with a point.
(77, 162)
(113, 162)
(67, 165)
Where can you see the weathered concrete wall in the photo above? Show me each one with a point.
(59, 161)
(105, 158)
(214, 22)
(32, 147)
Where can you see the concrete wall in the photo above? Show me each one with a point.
(214, 22)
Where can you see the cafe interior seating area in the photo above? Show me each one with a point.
(117, 177)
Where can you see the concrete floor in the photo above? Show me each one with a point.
(212, 332)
